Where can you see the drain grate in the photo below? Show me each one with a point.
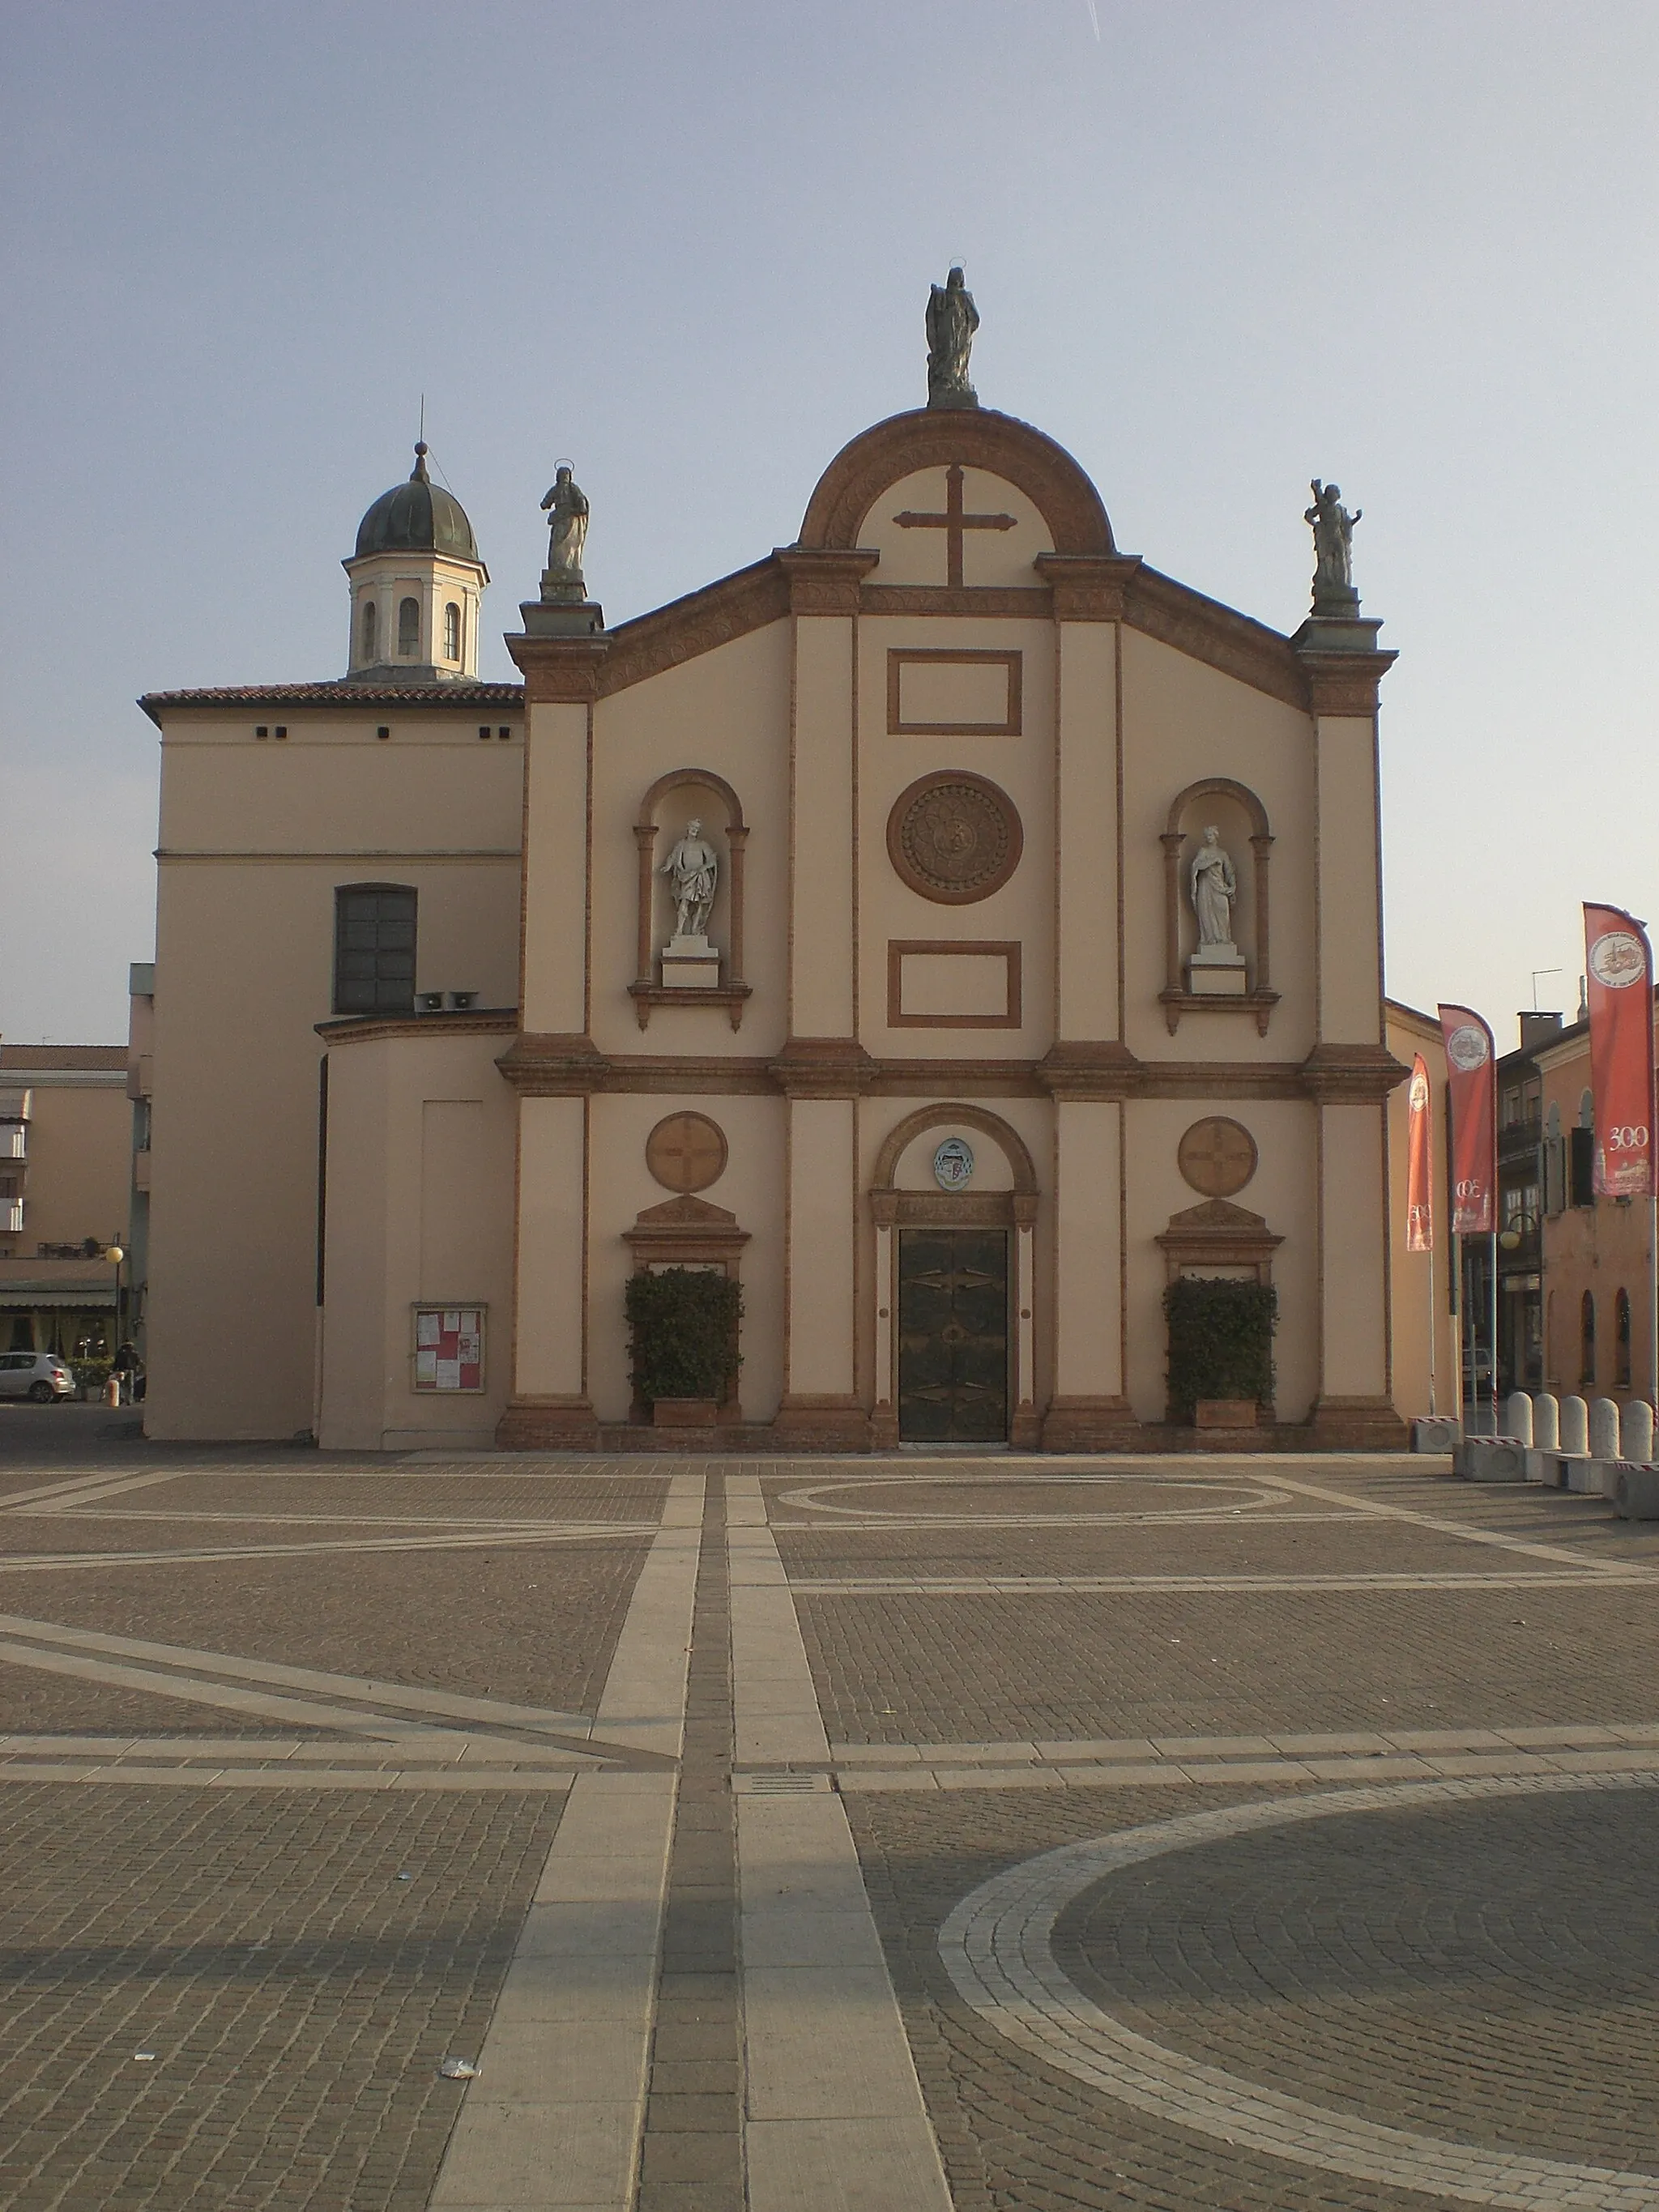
(780, 1785)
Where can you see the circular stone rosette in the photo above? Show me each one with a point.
(954, 837)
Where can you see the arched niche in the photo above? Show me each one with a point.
(672, 801)
(1241, 819)
(1009, 1201)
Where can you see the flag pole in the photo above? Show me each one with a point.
(1433, 1408)
(1493, 1322)
(1455, 1305)
(1653, 1302)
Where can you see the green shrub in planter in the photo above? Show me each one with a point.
(92, 1375)
(1221, 1341)
(683, 1332)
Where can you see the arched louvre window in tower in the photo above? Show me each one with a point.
(370, 630)
(409, 629)
(452, 632)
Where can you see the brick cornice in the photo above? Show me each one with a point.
(1202, 628)
(559, 668)
(1090, 1068)
(822, 1067)
(548, 1065)
(824, 580)
(1087, 586)
(1345, 682)
(371, 1028)
(1350, 1074)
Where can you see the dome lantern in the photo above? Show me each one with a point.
(417, 586)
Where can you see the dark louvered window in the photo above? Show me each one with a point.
(373, 948)
(408, 628)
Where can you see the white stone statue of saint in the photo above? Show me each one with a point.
(1213, 886)
(566, 508)
(693, 868)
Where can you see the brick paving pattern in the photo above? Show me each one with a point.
(297, 1996)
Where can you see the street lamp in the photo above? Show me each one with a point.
(114, 1254)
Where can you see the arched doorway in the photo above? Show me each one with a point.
(954, 1218)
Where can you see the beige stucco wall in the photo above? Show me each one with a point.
(80, 1158)
(421, 1140)
(256, 835)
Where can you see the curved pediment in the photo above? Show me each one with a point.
(975, 439)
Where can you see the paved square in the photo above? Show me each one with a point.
(905, 1833)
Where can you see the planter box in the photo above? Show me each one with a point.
(685, 1413)
(1225, 1413)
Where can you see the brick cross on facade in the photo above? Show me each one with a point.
(953, 522)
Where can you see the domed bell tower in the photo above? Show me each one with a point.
(417, 587)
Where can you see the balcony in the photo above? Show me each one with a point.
(1519, 1137)
(14, 1140)
(11, 1216)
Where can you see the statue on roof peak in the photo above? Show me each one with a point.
(952, 318)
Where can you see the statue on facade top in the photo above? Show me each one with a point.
(1332, 528)
(952, 318)
(566, 508)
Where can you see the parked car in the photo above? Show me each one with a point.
(40, 1377)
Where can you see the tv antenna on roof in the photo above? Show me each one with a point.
(1536, 972)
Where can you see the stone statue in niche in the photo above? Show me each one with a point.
(690, 962)
(1217, 966)
(952, 318)
(1332, 528)
(566, 508)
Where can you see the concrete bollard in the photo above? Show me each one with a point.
(1545, 1423)
(112, 1391)
(1635, 1432)
(1635, 1493)
(1603, 1429)
(1575, 1426)
(1517, 1417)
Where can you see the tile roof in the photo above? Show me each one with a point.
(452, 697)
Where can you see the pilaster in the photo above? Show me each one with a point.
(1088, 1410)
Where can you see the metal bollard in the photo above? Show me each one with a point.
(1545, 1423)
(1635, 1432)
(1517, 1417)
(1603, 1429)
(1575, 1426)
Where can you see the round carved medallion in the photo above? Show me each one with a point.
(1217, 1157)
(686, 1152)
(954, 837)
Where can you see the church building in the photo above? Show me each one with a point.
(948, 926)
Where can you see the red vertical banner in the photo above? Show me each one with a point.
(1470, 1083)
(1420, 1203)
(1619, 982)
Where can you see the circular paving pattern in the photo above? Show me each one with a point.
(1142, 1497)
(1314, 1978)
(954, 837)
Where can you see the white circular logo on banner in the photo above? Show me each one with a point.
(1419, 1095)
(1616, 958)
(953, 1165)
(1466, 1048)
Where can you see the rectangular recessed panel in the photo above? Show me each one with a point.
(940, 693)
(952, 984)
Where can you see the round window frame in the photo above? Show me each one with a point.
(927, 887)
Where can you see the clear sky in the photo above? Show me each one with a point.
(1218, 249)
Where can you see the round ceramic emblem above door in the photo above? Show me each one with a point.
(686, 1152)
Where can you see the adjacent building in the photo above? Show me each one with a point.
(65, 1171)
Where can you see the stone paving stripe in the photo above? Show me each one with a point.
(833, 2112)
(997, 1946)
(503, 1537)
(434, 1704)
(585, 1966)
(1580, 1578)
(776, 1717)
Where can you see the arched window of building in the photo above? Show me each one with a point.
(374, 949)
(1586, 1342)
(1586, 1110)
(452, 632)
(371, 631)
(1621, 1341)
(408, 628)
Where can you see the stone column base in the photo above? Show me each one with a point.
(548, 1424)
(1357, 1425)
(806, 1422)
(1090, 1424)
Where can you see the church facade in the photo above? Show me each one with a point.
(948, 926)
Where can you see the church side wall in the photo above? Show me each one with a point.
(421, 1185)
(256, 835)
